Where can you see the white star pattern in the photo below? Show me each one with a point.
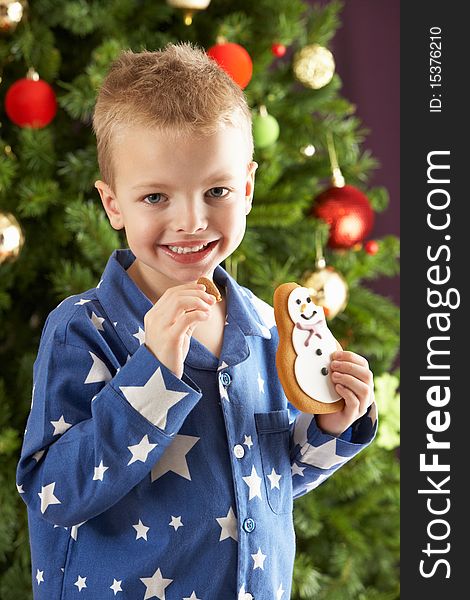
(38, 455)
(39, 576)
(174, 458)
(99, 472)
(223, 392)
(175, 522)
(242, 595)
(98, 372)
(274, 479)
(140, 335)
(192, 597)
(260, 383)
(258, 559)
(248, 441)
(141, 530)
(316, 483)
(253, 481)
(116, 587)
(265, 312)
(155, 585)
(60, 426)
(229, 526)
(323, 456)
(47, 496)
(265, 331)
(74, 530)
(141, 450)
(81, 302)
(80, 583)
(101, 281)
(20, 489)
(296, 470)
(97, 321)
(142, 398)
(279, 592)
(302, 424)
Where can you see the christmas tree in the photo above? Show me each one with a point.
(55, 238)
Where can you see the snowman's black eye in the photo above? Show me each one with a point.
(299, 301)
(309, 299)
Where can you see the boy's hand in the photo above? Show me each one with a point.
(171, 321)
(355, 383)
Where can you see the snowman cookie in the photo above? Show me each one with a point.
(304, 353)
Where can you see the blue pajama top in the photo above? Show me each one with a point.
(142, 485)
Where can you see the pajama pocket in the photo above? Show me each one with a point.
(273, 436)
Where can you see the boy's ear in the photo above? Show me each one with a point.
(110, 204)
(250, 185)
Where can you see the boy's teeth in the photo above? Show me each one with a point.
(180, 250)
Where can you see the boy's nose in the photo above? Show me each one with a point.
(191, 218)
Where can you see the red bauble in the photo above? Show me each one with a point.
(278, 50)
(348, 213)
(30, 103)
(371, 247)
(234, 60)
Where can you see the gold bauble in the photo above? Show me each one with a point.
(11, 237)
(329, 290)
(314, 66)
(11, 13)
(189, 7)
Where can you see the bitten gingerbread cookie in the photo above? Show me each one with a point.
(211, 288)
(304, 353)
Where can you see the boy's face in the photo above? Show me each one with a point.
(172, 197)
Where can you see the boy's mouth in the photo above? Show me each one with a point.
(189, 252)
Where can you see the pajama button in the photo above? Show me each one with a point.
(239, 451)
(225, 379)
(249, 525)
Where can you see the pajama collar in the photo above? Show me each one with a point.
(126, 305)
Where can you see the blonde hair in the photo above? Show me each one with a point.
(178, 90)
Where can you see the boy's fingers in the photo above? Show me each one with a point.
(351, 401)
(349, 381)
(184, 305)
(181, 326)
(191, 293)
(361, 372)
(346, 355)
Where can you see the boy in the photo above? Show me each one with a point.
(159, 459)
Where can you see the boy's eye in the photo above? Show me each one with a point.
(218, 192)
(153, 198)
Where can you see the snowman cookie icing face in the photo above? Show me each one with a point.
(313, 344)
(301, 307)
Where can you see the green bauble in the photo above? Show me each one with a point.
(265, 130)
